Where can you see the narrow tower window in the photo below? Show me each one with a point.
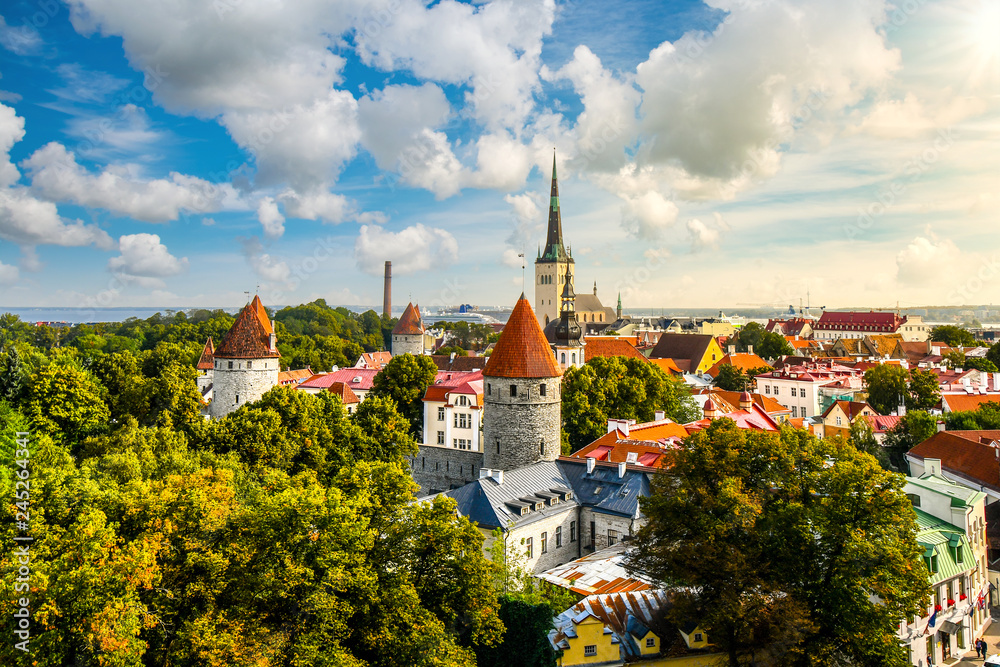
(541, 390)
(513, 391)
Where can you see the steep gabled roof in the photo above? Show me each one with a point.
(610, 346)
(250, 335)
(409, 323)
(344, 392)
(691, 347)
(207, 360)
(963, 453)
(522, 351)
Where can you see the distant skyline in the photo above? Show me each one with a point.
(719, 154)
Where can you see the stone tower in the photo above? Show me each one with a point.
(246, 362)
(554, 264)
(522, 397)
(568, 334)
(408, 334)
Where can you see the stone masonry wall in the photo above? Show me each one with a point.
(602, 523)
(246, 384)
(523, 429)
(405, 344)
(438, 469)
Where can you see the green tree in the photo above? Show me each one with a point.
(405, 379)
(731, 378)
(820, 529)
(912, 429)
(887, 387)
(619, 388)
(12, 374)
(924, 390)
(993, 354)
(765, 344)
(452, 349)
(953, 335)
(66, 403)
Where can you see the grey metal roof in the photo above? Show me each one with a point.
(492, 505)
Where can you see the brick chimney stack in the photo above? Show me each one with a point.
(387, 291)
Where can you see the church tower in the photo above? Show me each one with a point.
(522, 397)
(408, 334)
(568, 335)
(246, 362)
(554, 264)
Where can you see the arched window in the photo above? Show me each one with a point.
(563, 362)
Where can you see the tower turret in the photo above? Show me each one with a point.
(246, 362)
(568, 335)
(522, 397)
(555, 262)
(408, 334)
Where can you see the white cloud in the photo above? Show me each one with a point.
(926, 261)
(29, 221)
(56, 176)
(11, 132)
(392, 118)
(702, 236)
(145, 260)
(22, 40)
(271, 269)
(270, 218)
(8, 274)
(416, 248)
(303, 145)
(82, 85)
(647, 215)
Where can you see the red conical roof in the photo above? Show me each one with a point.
(409, 324)
(522, 351)
(207, 360)
(250, 335)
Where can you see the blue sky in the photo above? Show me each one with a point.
(710, 154)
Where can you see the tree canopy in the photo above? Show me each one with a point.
(404, 380)
(765, 344)
(954, 336)
(776, 543)
(889, 386)
(731, 378)
(619, 388)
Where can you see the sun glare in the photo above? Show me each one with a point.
(984, 42)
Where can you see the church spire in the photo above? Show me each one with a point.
(554, 248)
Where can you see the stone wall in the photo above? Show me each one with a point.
(234, 387)
(523, 429)
(603, 522)
(406, 344)
(553, 555)
(438, 469)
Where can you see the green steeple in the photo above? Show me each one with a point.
(555, 250)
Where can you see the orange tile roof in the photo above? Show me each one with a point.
(732, 399)
(741, 360)
(610, 346)
(409, 324)
(522, 351)
(296, 376)
(207, 360)
(250, 335)
(345, 393)
(667, 365)
(964, 453)
(966, 402)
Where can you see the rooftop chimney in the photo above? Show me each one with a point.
(749, 349)
(387, 291)
(591, 462)
(659, 415)
(940, 425)
(732, 349)
(621, 469)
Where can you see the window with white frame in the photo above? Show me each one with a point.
(440, 414)
(440, 440)
(462, 443)
(463, 420)
(590, 650)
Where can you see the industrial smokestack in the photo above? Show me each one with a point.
(387, 291)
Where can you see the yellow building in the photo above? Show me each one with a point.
(628, 628)
(693, 353)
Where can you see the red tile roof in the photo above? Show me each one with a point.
(859, 321)
(522, 351)
(344, 392)
(360, 379)
(294, 377)
(966, 402)
(250, 335)
(964, 453)
(668, 365)
(409, 324)
(741, 360)
(376, 359)
(610, 346)
(207, 360)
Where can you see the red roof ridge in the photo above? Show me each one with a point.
(207, 360)
(522, 351)
(250, 335)
(409, 323)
